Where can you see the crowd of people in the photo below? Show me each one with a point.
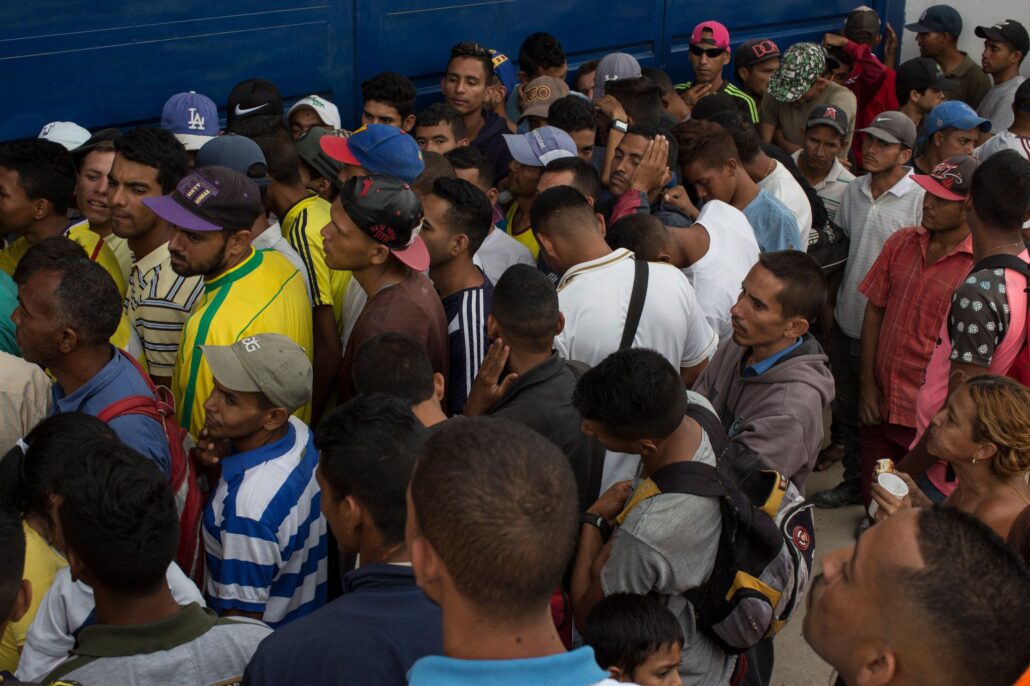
(527, 386)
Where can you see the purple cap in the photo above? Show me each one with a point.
(540, 146)
(380, 149)
(210, 199)
(191, 117)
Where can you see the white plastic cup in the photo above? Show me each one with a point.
(894, 485)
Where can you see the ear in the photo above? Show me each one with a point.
(463, 142)
(439, 384)
(664, 257)
(275, 418)
(408, 123)
(602, 228)
(492, 330)
(937, 139)
(545, 242)
(459, 244)
(430, 572)
(797, 327)
(647, 448)
(617, 674)
(493, 192)
(379, 253)
(41, 208)
(75, 565)
(876, 42)
(906, 155)
(561, 323)
(239, 241)
(878, 667)
(69, 339)
(986, 451)
(22, 601)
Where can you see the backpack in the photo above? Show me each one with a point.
(1020, 369)
(189, 501)
(766, 546)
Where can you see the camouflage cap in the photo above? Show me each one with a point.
(800, 66)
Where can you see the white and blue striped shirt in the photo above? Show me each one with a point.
(264, 533)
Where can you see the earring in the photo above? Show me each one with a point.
(975, 460)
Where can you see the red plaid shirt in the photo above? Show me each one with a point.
(916, 298)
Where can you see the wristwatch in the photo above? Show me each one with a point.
(597, 520)
(619, 126)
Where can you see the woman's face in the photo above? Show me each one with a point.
(951, 431)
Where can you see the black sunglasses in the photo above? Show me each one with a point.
(697, 51)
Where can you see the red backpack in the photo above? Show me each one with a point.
(189, 501)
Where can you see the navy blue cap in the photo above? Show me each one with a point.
(939, 19)
(238, 153)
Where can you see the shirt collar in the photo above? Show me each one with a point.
(574, 668)
(106, 640)
(107, 374)
(759, 368)
(963, 67)
(235, 465)
(899, 189)
(593, 265)
(963, 247)
(156, 256)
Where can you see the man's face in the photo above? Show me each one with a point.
(437, 138)
(522, 179)
(17, 211)
(232, 415)
(942, 215)
(998, 56)
(932, 44)
(757, 317)
(436, 233)
(708, 65)
(346, 245)
(585, 83)
(301, 121)
(464, 85)
(712, 183)
(661, 668)
(814, 91)
(756, 77)
(840, 74)
(376, 112)
(128, 183)
(91, 187)
(36, 321)
(584, 140)
(951, 142)
(627, 158)
(880, 156)
(822, 145)
(197, 253)
(927, 100)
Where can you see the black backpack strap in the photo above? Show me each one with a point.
(1003, 261)
(636, 304)
(693, 478)
(711, 425)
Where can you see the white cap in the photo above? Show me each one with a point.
(326, 111)
(67, 133)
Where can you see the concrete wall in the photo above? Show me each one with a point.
(974, 13)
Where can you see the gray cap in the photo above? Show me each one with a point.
(893, 127)
(267, 363)
(612, 67)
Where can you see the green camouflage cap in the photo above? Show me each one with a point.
(800, 66)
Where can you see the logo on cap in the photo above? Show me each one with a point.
(251, 344)
(763, 48)
(196, 120)
(924, 15)
(541, 92)
(831, 113)
(366, 186)
(383, 233)
(946, 174)
(197, 189)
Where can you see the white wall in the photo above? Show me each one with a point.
(974, 13)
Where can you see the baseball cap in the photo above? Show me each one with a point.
(800, 66)
(1008, 31)
(1022, 98)
(938, 18)
(210, 199)
(387, 209)
(101, 136)
(191, 117)
(310, 150)
(612, 67)
(539, 147)
(505, 71)
(922, 73)
(238, 153)
(862, 23)
(755, 51)
(540, 93)
(828, 115)
(326, 111)
(893, 127)
(720, 37)
(954, 114)
(266, 363)
(949, 180)
(380, 149)
(252, 97)
(67, 133)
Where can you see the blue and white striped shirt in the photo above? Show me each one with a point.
(264, 533)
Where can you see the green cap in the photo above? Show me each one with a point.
(800, 66)
(310, 150)
(268, 363)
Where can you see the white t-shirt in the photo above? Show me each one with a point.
(498, 252)
(831, 188)
(782, 185)
(717, 276)
(1006, 140)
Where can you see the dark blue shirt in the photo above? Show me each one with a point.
(371, 635)
(466, 313)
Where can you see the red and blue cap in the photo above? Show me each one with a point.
(380, 149)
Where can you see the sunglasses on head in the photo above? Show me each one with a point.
(697, 51)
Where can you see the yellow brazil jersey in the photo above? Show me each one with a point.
(526, 237)
(262, 294)
(302, 227)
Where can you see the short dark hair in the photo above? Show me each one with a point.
(561, 208)
(525, 303)
(540, 52)
(45, 170)
(804, 284)
(1001, 190)
(643, 234)
(713, 104)
(497, 501)
(586, 68)
(470, 211)
(12, 561)
(118, 515)
(475, 51)
(395, 364)
(467, 157)
(650, 132)
(585, 178)
(442, 113)
(87, 298)
(705, 142)
(155, 148)
(393, 89)
(624, 629)
(282, 159)
(102, 146)
(367, 448)
(634, 393)
(974, 630)
(640, 97)
(572, 113)
(743, 132)
(663, 80)
(434, 166)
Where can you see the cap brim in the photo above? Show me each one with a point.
(835, 125)
(227, 369)
(780, 92)
(934, 187)
(192, 142)
(166, 207)
(883, 135)
(520, 150)
(989, 33)
(415, 255)
(919, 28)
(337, 147)
(540, 110)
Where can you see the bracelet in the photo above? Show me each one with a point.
(600, 522)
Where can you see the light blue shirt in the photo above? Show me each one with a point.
(775, 226)
(576, 668)
(759, 368)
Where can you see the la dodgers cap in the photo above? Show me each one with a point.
(539, 147)
(327, 112)
(253, 97)
(210, 199)
(893, 127)
(828, 115)
(938, 19)
(66, 133)
(1006, 31)
(755, 51)
(612, 67)
(238, 153)
(954, 114)
(191, 117)
(380, 149)
(952, 179)
(389, 212)
(266, 363)
(720, 37)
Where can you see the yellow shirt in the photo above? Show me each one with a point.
(302, 227)
(262, 294)
(525, 237)
(122, 253)
(41, 565)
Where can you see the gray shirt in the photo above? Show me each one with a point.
(997, 104)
